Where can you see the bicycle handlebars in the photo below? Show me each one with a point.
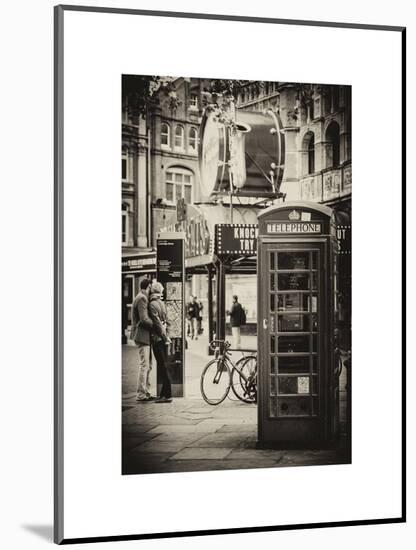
(214, 344)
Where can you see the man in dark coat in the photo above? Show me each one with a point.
(160, 340)
(237, 318)
(140, 333)
(192, 312)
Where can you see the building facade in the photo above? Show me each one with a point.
(160, 166)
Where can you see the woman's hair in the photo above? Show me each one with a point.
(156, 288)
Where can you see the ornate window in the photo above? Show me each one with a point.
(179, 182)
(165, 135)
(193, 139)
(179, 138)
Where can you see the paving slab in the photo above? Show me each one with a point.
(238, 428)
(255, 454)
(159, 446)
(193, 453)
(225, 440)
(180, 428)
(169, 436)
(137, 429)
(214, 465)
(129, 442)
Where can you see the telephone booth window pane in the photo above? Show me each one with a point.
(315, 363)
(288, 385)
(272, 255)
(293, 260)
(273, 389)
(272, 343)
(297, 322)
(272, 302)
(293, 344)
(314, 343)
(314, 280)
(313, 303)
(294, 385)
(294, 302)
(292, 365)
(315, 385)
(314, 260)
(272, 283)
(272, 326)
(273, 407)
(315, 406)
(293, 281)
(273, 364)
(295, 406)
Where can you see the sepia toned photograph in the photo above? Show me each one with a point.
(236, 205)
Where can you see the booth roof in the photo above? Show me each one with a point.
(297, 204)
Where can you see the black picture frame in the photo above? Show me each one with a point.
(59, 258)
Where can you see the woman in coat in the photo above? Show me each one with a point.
(160, 339)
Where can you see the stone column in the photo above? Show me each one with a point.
(290, 115)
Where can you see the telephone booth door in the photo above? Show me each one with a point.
(296, 335)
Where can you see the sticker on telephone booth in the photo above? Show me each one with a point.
(303, 384)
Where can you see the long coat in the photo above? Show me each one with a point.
(157, 312)
(141, 322)
(236, 314)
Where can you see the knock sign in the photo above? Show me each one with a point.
(236, 239)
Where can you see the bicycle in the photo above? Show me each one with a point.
(221, 374)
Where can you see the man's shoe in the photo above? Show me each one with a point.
(151, 397)
(164, 400)
(145, 399)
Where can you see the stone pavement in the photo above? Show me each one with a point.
(190, 435)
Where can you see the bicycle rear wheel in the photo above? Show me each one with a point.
(215, 382)
(244, 379)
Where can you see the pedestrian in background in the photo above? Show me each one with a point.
(140, 333)
(160, 340)
(199, 329)
(192, 313)
(237, 318)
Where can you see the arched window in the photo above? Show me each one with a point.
(179, 138)
(179, 183)
(332, 145)
(165, 135)
(308, 154)
(193, 139)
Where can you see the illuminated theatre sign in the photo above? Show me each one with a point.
(236, 239)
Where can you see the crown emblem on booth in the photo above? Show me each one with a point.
(294, 215)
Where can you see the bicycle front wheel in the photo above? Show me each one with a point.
(244, 379)
(215, 382)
